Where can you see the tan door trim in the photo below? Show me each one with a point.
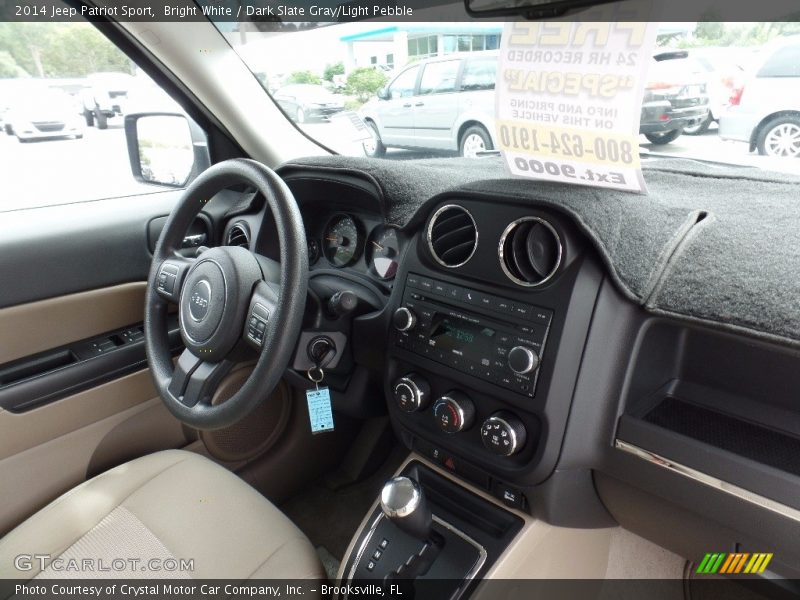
(34, 327)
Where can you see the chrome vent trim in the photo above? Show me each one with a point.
(452, 236)
(520, 269)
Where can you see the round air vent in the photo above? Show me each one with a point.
(238, 235)
(530, 251)
(452, 236)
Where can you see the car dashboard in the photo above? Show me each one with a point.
(494, 331)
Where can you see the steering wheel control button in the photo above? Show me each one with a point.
(522, 360)
(503, 434)
(200, 300)
(257, 325)
(167, 279)
(404, 319)
(454, 412)
(412, 393)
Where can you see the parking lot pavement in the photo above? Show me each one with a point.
(63, 171)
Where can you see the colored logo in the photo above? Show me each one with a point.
(725, 563)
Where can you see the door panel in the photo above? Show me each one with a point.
(39, 326)
(436, 106)
(396, 115)
(97, 252)
(58, 250)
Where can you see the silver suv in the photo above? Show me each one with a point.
(765, 111)
(444, 103)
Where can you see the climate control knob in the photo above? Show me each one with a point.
(454, 412)
(412, 393)
(404, 319)
(522, 360)
(503, 434)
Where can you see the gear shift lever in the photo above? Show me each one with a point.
(403, 502)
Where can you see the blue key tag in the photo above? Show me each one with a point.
(320, 414)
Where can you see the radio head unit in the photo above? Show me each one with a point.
(489, 337)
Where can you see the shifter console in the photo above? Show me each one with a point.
(426, 539)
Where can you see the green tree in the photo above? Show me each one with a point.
(9, 66)
(332, 70)
(61, 49)
(304, 77)
(80, 50)
(364, 82)
(709, 30)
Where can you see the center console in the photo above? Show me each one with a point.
(482, 363)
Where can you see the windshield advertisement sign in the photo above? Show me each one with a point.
(568, 102)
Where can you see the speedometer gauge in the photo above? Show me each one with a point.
(341, 241)
(382, 251)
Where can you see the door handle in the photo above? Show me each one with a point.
(420, 104)
(407, 105)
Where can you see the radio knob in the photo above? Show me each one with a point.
(412, 393)
(522, 360)
(404, 319)
(454, 412)
(503, 434)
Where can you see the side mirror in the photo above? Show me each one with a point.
(383, 93)
(166, 149)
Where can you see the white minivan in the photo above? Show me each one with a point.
(443, 103)
(765, 111)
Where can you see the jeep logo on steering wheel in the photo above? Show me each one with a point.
(200, 300)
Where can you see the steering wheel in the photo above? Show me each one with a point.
(230, 302)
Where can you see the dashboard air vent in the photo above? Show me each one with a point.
(530, 251)
(452, 236)
(238, 235)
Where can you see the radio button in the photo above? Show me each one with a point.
(404, 319)
(522, 360)
(523, 310)
(451, 291)
(541, 316)
(439, 288)
(504, 306)
(426, 284)
(454, 412)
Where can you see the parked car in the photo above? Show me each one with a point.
(9, 90)
(305, 102)
(37, 111)
(723, 68)
(444, 103)
(675, 97)
(105, 97)
(765, 110)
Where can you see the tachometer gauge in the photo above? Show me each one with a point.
(341, 241)
(382, 251)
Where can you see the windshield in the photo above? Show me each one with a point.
(423, 90)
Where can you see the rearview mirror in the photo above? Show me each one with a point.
(383, 93)
(165, 148)
(531, 9)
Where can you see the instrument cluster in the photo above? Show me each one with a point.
(346, 239)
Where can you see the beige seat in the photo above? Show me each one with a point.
(161, 509)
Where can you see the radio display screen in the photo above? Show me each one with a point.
(472, 341)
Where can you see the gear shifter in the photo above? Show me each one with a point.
(403, 503)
